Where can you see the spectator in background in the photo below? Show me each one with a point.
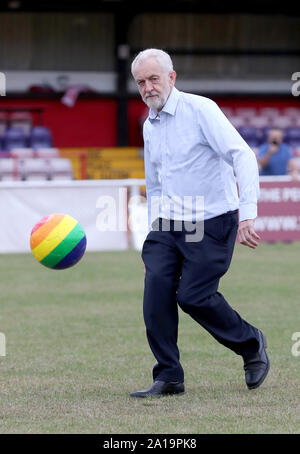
(275, 157)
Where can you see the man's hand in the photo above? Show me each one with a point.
(247, 234)
(264, 161)
(144, 268)
(273, 148)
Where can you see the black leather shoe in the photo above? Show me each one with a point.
(257, 367)
(160, 388)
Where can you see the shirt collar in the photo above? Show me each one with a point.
(170, 106)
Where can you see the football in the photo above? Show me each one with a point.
(58, 241)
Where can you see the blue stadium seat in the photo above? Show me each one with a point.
(292, 136)
(264, 134)
(14, 138)
(40, 137)
(3, 124)
(250, 134)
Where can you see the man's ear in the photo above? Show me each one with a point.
(172, 77)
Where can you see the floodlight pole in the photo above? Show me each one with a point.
(122, 54)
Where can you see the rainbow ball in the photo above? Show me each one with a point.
(58, 241)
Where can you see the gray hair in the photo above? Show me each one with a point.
(161, 56)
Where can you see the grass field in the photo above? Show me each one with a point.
(76, 348)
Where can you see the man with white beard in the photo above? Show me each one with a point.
(191, 150)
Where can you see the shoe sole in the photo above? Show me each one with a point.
(158, 395)
(268, 366)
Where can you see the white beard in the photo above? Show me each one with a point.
(157, 102)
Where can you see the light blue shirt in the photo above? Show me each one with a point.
(193, 153)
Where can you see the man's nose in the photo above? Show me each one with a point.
(148, 85)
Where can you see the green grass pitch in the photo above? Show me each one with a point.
(76, 347)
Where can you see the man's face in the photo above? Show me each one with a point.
(154, 83)
(275, 135)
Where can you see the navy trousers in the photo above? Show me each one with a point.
(187, 274)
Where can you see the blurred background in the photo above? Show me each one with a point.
(71, 119)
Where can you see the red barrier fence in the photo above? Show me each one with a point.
(278, 209)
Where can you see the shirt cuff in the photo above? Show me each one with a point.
(247, 211)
